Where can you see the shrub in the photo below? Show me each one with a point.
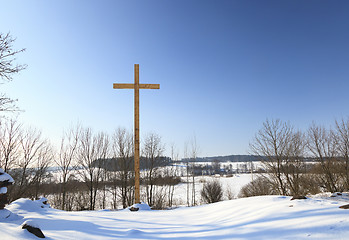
(212, 191)
(258, 187)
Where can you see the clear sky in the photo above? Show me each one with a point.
(224, 67)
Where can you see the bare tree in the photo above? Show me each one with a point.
(342, 134)
(43, 160)
(67, 158)
(281, 150)
(216, 166)
(294, 166)
(104, 179)
(8, 68)
(31, 145)
(323, 144)
(193, 155)
(92, 149)
(123, 167)
(152, 151)
(171, 173)
(10, 132)
(187, 168)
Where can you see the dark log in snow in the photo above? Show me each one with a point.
(298, 197)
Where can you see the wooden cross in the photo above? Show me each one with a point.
(136, 86)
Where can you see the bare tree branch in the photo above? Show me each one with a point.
(8, 68)
(7, 58)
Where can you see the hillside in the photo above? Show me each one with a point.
(264, 217)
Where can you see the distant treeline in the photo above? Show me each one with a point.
(113, 164)
(234, 158)
(229, 158)
(116, 164)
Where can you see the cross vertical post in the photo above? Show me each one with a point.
(137, 171)
(136, 86)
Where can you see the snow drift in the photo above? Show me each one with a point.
(263, 217)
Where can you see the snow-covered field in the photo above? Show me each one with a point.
(267, 217)
(231, 186)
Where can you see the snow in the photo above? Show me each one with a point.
(31, 222)
(263, 217)
(141, 206)
(24, 205)
(229, 184)
(42, 202)
(3, 190)
(4, 213)
(4, 177)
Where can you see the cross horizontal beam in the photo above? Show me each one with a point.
(132, 86)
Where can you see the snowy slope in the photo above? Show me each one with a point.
(264, 217)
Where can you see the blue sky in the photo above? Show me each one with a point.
(224, 67)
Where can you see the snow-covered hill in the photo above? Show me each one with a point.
(267, 217)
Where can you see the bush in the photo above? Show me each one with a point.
(258, 187)
(311, 184)
(212, 191)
